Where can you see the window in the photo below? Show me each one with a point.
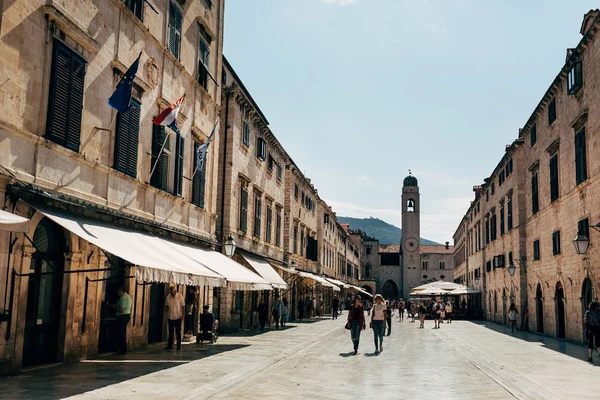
(127, 135)
(575, 78)
(179, 153)
(270, 163)
(244, 209)
(279, 173)
(203, 62)
(501, 178)
(509, 221)
(580, 157)
(556, 243)
(160, 160)
(493, 227)
(325, 218)
(302, 242)
(261, 149)
(554, 177)
(136, 7)
(66, 97)
(533, 135)
(442, 265)
(199, 179)
(302, 201)
(278, 229)
(583, 227)
(487, 195)
(246, 135)
(257, 215)
(269, 234)
(493, 188)
(174, 43)
(534, 194)
(424, 265)
(410, 205)
(487, 230)
(488, 266)
(501, 219)
(295, 240)
(536, 250)
(368, 250)
(296, 191)
(552, 111)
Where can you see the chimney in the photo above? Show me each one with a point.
(447, 245)
(588, 21)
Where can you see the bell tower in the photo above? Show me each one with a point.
(411, 234)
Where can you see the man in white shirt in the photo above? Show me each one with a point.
(175, 311)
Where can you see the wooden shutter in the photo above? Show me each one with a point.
(179, 153)
(199, 180)
(158, 138)
(554, 178)
(66, 97)
(278, 230)
(534, 193)
(244, 210)
(127, 136)
(269, 233)
(580, 157)
(174, 29)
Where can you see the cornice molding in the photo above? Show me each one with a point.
(71, 28)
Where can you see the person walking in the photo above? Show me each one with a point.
(401, 306)
(301, 308)
(388, 317)
(435, 314)
(422, 310)
(335, 303)
(592, 325)
(277, 311)
(263, 314)
(378, 318)
(285, 315)
(442, 311)
(513, 316)
(123, 313)
(413, 310)
(175, 311)
(449, 311)
(356, 319)
(314, 307)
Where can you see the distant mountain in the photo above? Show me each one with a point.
(378, 229)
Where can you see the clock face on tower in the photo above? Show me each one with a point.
(410, 243)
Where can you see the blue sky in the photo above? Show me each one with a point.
(361, 91)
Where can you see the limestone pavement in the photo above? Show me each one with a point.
(462, 360)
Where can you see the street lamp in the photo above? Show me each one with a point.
(292, 266)
(477, 280)
(511, 269)
(582, 242)
(230, 247)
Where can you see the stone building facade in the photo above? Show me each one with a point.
(555, 182)
(63, 148)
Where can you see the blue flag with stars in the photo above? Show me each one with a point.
(121, 98)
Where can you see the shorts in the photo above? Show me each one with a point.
(593, 333)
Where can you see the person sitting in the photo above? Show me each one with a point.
(207, 325)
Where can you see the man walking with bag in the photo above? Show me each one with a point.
(175, 311)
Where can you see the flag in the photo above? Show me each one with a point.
(121, 98)
(169, 115)
(201, 151)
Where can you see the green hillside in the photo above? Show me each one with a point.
(381, 230)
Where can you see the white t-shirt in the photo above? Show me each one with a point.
(377, 311)
(175, 306)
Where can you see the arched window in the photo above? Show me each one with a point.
(410, 205)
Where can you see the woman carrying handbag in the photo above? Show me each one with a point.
(356, 322)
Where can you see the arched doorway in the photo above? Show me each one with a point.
(559, 298)
(44, 295)
(587, 295)
(389, 290)
(539, 308)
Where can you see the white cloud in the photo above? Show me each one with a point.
(340, 2)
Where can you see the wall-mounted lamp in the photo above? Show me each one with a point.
(582, 242)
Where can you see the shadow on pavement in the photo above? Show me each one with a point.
(349, 354)
(577, 351)
(256, 332)
(66, 380)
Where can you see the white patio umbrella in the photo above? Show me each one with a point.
(464, 290)
(443, 285)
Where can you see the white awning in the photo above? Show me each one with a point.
(264, 269)
(13, 223)
(361, 290)
(156, 259)
(339, 283)
(317, 278)
(238, 277)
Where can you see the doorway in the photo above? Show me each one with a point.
(389, 290)
(587, 295)
(559, 296)
(115, 278)
(156, 315)
(44, 295)
(539, 309)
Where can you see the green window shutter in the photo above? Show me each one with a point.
(244, 210)
(174, 30)
(158, 138)
(127, 136)
(268, 234)
(580, 157)
(179, 153)
(199, 184)
(66, 97)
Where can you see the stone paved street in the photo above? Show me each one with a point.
(462, 360)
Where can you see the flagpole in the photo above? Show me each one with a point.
(159, 155)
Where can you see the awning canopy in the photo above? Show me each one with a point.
(338, 283)
(264, 269)
(443, 285)
(361, 290)
(317, 278)
(13, 223)
(156, 259)
(464, 290)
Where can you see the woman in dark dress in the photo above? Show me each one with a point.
(356, 319)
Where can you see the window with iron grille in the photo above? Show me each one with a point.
(257, 216)
(127, 137)
(244, 209)
(554, 177)
(556, 242)
(174, 43)
(199, 180)
(552, 111)
(533, 135)
(580, 157)
(246, 135)
(536, 250)
(575, 78)
(534, 194)
(269, 233)
(65, 103)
